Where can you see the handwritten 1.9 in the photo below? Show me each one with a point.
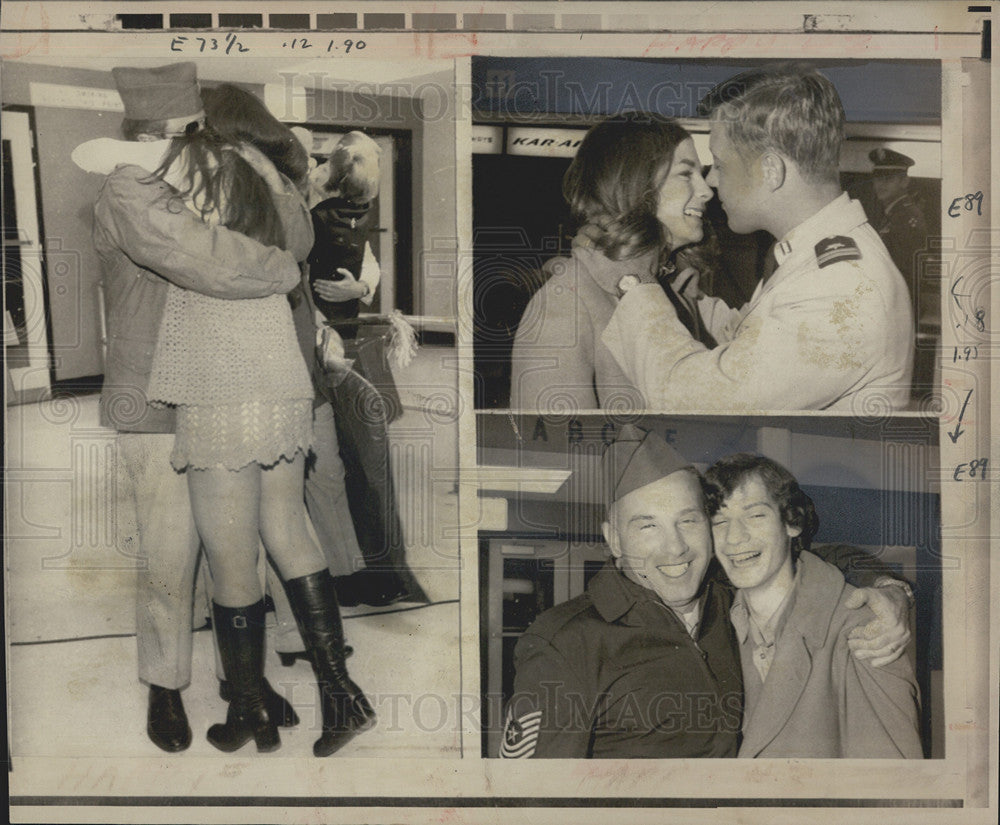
(301, 43)
(972, 201)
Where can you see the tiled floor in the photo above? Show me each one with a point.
(70, 594)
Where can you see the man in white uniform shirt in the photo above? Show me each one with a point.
(830, 327)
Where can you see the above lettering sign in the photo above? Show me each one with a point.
(75, 97)
(487, 140)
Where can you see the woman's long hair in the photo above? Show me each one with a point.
(613, 182)
(220, 182)
(236, 115)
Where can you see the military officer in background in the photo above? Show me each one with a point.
(645, 663)
(902, 225)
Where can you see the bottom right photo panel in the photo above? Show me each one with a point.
(710, 586)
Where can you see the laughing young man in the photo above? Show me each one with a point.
(831, 327)
(805, 694)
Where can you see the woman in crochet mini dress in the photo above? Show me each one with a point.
(234, 371)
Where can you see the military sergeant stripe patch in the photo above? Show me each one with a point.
(520, 736)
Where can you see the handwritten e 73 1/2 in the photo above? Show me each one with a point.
(183, 43)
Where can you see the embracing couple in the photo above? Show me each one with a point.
(622, 324)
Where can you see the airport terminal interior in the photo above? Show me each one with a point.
(71, 535)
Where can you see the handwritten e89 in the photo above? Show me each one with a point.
(975, 469)
(972, 201)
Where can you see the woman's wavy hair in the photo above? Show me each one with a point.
(613, 182)
(218, 180)
(795, 507)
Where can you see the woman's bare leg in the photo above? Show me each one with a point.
(226, 507)
(283, 520)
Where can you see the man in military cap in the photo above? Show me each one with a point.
(645, 663)
(831, 327)
(146, 241)
(902, 225)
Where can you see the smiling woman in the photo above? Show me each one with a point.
(682, 197)
(636, 191)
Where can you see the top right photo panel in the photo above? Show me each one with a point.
(708, 235)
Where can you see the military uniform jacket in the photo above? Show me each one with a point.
(615, 674)
(830, 329)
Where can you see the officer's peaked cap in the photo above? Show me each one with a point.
(888, 162)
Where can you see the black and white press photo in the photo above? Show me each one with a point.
(678, 587)
(775, 222)
(565, 412)
(230, 328)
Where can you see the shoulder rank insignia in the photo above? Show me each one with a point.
(835, 249)
(520, 735)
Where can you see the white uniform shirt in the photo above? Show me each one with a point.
(831, 329)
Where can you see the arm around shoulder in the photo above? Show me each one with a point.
(153, 227)
(800, 350)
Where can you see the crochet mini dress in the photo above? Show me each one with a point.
(235, 373)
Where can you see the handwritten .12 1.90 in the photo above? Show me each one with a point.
(303, 43)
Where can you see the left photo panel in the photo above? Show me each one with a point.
(232, 407)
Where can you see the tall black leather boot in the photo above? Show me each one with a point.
(240, 634)
(346, 710)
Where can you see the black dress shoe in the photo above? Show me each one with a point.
(166, 721)
(278, 707)
(346, 588)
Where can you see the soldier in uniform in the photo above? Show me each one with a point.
(145, 242)
(831, 327)
(645, 663)
(902, 225)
